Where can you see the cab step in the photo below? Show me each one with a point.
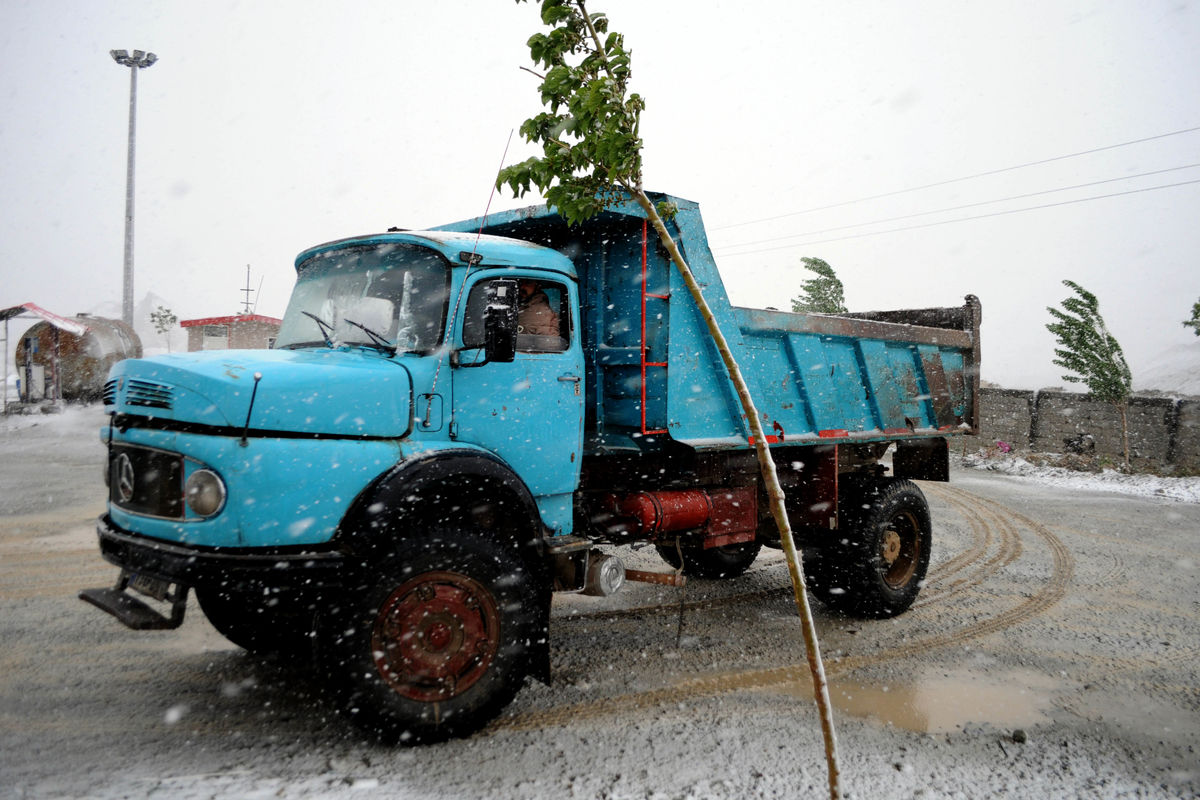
(134, 613)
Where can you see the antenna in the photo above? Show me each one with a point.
(471, 262)
(258, 292)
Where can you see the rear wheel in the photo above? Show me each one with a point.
(440, 640)
(727, 561)
(877, 566)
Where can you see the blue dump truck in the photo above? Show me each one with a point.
(455, 423)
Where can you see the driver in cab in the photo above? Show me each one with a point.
(534, 314)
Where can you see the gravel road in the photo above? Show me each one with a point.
(1054, 653)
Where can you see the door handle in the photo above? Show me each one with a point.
(569, 378)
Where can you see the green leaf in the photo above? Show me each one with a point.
(588, 137)
(554, 11)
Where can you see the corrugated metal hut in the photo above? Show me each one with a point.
(74, 354)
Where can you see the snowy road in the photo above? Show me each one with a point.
(1069, 616)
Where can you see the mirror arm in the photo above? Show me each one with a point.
(456, 361)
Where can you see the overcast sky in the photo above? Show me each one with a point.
(269, 126)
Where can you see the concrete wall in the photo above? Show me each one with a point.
(1165, 430)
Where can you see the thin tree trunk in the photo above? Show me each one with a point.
(1124, 408)
(765, 462)
(774, 491)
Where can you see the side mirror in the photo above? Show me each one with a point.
(500, 321)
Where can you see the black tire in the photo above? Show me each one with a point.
(437, 641)
(877, 565)
(727, 561)
(257, 623)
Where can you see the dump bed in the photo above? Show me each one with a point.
(860, 378)
(653, 370)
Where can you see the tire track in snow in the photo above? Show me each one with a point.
(992, 525)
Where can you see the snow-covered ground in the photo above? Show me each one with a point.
(1186, 490)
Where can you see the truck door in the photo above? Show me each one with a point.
(530, 411)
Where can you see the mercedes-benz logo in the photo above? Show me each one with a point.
(125, 478)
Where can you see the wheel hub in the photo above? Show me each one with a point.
(900, 549)
(435, 636)
(891, 547)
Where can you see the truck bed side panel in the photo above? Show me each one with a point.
(812, 377)
(652, 366)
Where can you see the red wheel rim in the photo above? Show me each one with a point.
(435, 636)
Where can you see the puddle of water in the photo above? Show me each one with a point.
(942, 702)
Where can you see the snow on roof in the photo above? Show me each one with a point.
(62, 323)
(236, 319)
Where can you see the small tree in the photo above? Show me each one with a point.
(823, 294)
(1194, 322)
(592, 158)
(1091, 354)
(164, 319)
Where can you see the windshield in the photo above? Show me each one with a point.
(382, 295)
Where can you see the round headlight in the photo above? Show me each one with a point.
(204, 492)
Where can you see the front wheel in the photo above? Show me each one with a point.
(877, 565)
(440, 640)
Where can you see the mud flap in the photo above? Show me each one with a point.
(135, 613)
(922, 459)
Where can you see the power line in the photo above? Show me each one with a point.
(958, 180)
(961, 219)
(960, 207)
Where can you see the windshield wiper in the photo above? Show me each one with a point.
(326, 328)
(379, 340)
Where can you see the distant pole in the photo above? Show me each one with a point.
(6, 366)
(139, 60)
(247, 291)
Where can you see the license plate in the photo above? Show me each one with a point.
(151, 587)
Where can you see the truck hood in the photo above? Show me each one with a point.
(306, 392)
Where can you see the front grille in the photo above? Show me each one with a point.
(142, 480)
(110, 392)
(148, 394)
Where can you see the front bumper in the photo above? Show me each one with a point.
(235, 569)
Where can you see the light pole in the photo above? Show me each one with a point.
(139, 60)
